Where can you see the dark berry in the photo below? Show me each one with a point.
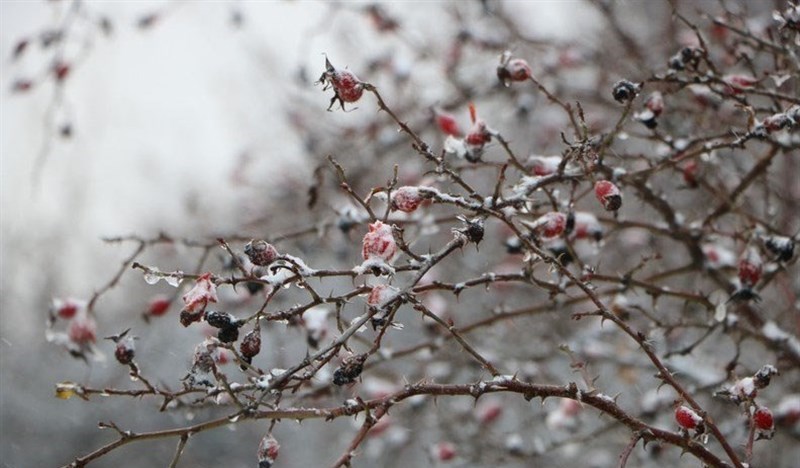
(251, 343)
(219, 319)
(188, 318)
(228, 334)
(624, 91)
(349, 371)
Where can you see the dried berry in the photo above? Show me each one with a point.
(473, 229)
(260, 252)
(267, 451)
(624, 91)
(187, 318)
(350, 369)
(228, 334)
(218, 319)
(379, 242)
(251, 343)
(608, 194)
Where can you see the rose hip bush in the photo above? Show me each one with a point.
(514, 251)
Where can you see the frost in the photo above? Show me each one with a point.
(605, 397)
(774, 333)
(301, 266)
(456, 146)
(502, 379)
(374, 263)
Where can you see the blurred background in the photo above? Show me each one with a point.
(200, 119)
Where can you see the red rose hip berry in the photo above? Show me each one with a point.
(608, 194)
(687, 418)
(763, 419)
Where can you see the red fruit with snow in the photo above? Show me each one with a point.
(381, 294)
(608, 194)
(406, 199)
(379, 242)
(544, 165)
(655, 103)
(687, 418)
(736, 84)
(550, 225)
(158, 306)
(260, 252)
(346, 85)
(750, 267)
(763, 419)
(444, 451)
(67, 308)
(82, 329)
(203, 292)
(587, 226)
(447, 123)
(478, 134)
(267, 451)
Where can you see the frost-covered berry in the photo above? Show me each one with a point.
(744, 389)
(687, 418)
(782, 247)
(203, 292)
(228, 334)
(218, 319)
(624, 91)
(473, 229)
(544, 165)
(512, 69)
(350, 369)
(407, 199)
(750, 267)
(82, 329)
(444, 451)
(764, 375)
(587, 226)
(608, 194)
(381, 294)
(267, 451)
(260, 252)
(549, 225)
(379, 242)
(67, 308)
(125, 350)
(763, 419)
(736, 84)
(158, 306)
(447, 123)
(479, 134)
(346, 85)
(655, 103)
